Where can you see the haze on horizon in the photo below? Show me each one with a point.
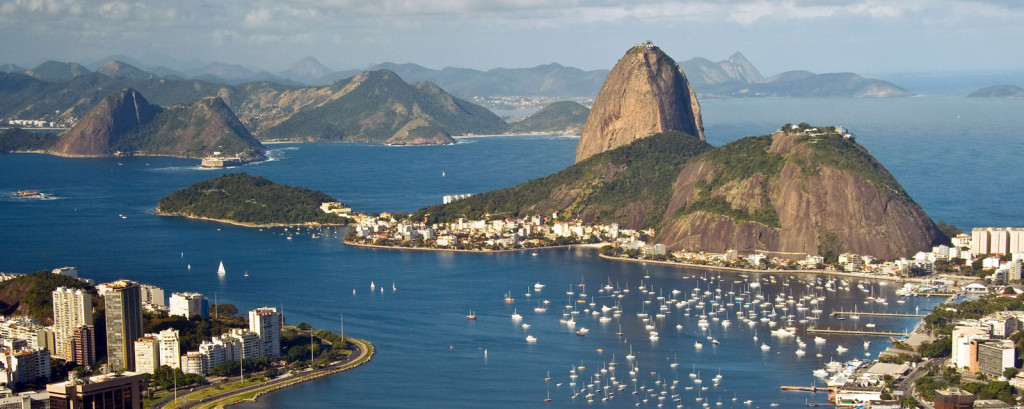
(864, 36)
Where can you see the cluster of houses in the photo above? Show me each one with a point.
(496, 234)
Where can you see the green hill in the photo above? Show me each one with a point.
(563, 117)
(248, 200)
(799, 190)
(126, 123)
(630, 184)
(375, 106)
(20, 140)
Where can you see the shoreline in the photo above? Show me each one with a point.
(512, 134)
(367, 351)
(483, 251)
(773, 271)
(250, 225)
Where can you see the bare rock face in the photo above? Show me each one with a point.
(111, 120)
(645, 93)
(801, 203)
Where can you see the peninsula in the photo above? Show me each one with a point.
(253, 201)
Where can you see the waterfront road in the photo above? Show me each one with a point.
(362, 352)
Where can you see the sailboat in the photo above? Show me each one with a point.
(246, 274)
(372, 286)
(220, 270)
(471, 316)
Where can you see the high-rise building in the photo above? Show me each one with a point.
(72, 308)
(147, 354)
(116, 391)
(83, 346)
(124, 323)
(266, 322)
(170, 348)
(189, 305)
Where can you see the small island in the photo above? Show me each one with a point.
(253, 201)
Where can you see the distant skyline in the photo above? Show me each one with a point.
(863, 36)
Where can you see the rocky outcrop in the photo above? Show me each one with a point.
(644, 94)
(126, 123)
(111, 121)
(801, 202)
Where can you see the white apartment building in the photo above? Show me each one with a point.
(266, 322)
(170, 348)
(187, 305)
(72, 308)
(147, 354)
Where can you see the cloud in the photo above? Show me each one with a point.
(257, 18)
(752, 11)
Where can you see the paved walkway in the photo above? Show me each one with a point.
(362, 353)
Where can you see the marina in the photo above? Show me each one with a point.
(425, 326)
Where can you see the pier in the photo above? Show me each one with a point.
(804, 388)
(856, 332)
(876, 314)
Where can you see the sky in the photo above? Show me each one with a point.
(863, 36)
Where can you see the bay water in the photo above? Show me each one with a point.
(958, 157)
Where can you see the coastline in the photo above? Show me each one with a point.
(773, 271)
(512, 134)
(253, 393)
(251, 225)
(483, 251)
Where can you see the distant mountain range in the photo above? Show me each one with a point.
(735, 77)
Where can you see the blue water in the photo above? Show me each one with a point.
(959, 158)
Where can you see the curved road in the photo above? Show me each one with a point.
(362, 353)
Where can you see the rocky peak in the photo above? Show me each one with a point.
(114, 118)
(644, 94)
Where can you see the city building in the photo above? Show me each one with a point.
(147, 354)
(170, 348)
(72, 308)
(124, 323)
(997, 240)
(26, 400)
(962, 351)
(23, 365)
(114, 391)
(266, 322)
(192, 362)
(993, 356)
(27, 329)
(189, 305)
(953, 399)
(83, 346)
(152, 295)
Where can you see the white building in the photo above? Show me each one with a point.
(962, 336)
(72, 308)
(192, 362)
(170, 348)
(24, 364)
(188, 305)
(266, 322)
(152, 295)
(147, 354)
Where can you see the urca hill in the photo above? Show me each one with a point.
(802, 189)
(126, 123)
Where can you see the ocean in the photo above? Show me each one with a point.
(957, 157)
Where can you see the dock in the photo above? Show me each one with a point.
(876, 314)
(856, 332)
(804, 388)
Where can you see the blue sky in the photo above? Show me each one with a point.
(864, 36)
